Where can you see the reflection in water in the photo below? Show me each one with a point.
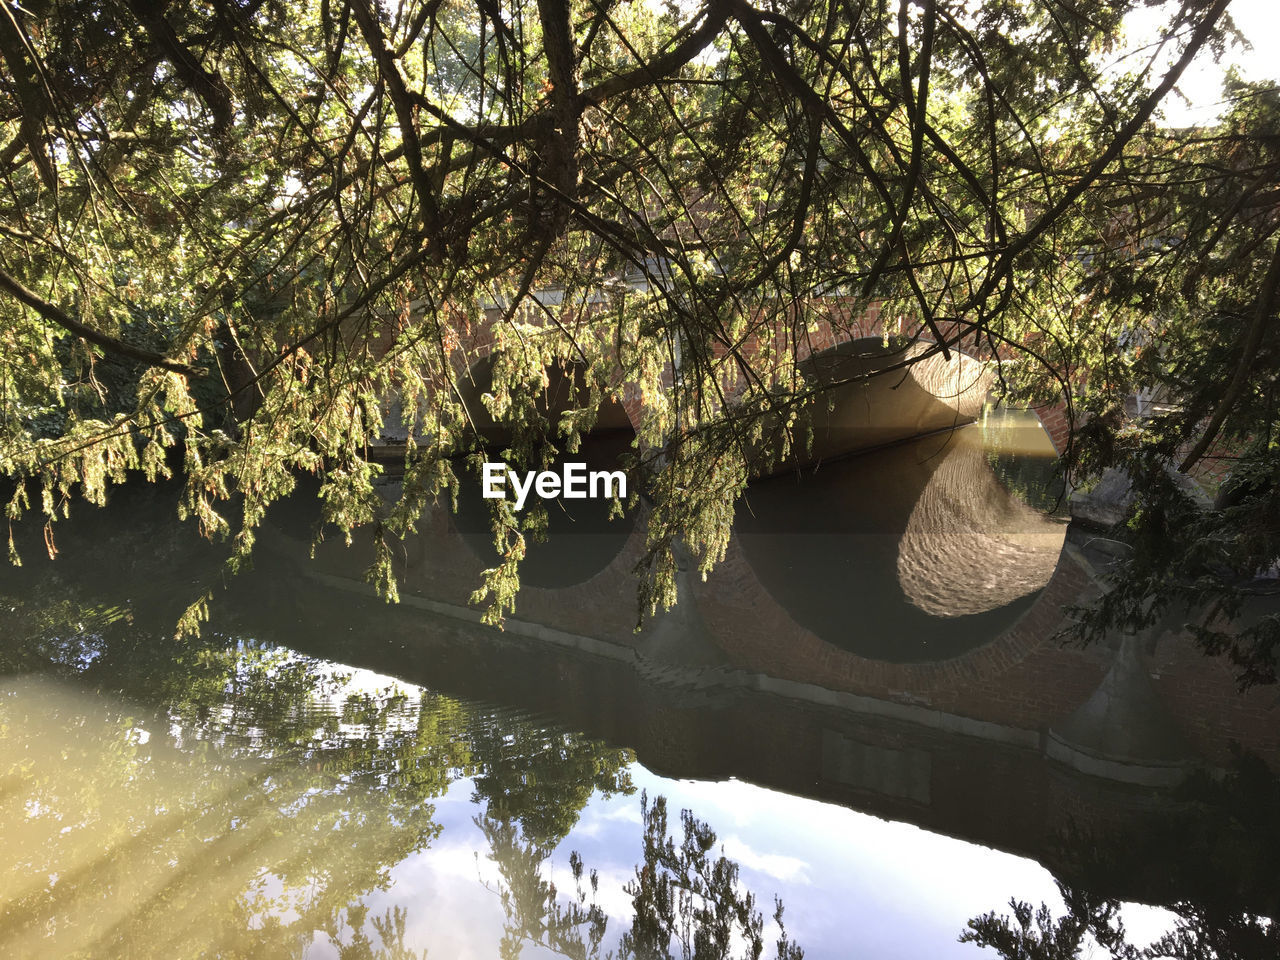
(133, 834)
(243, 795)
(540, 777)
(536, 913)
(1213, 861)
(251, 798)
(688, 902)
(237, 799)
(972, 546)
(932, 542)
(1092, 927)
(940, 545)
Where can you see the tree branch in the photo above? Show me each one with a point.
(1099, 166)
(53, 314)
(1263, 310)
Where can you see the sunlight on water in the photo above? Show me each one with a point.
(121, 840)
(124, 840)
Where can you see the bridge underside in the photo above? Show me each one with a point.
(865, 398)
(866, 393)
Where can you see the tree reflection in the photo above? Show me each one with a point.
(1213, 865)
(536, 913)
(347, 933)
(1199, 933)
(225, 797)
(1036, 935)
(542, 777)
(687, 901)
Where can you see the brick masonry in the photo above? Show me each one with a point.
(836, 326)
(1023, 678)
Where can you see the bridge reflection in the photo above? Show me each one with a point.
(880, 635)
(927, 576)
(980, 781)
(919, 552)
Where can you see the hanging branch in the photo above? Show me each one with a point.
(54, 315)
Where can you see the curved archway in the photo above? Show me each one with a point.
(854, 410)
(564, 386)
(911, 554)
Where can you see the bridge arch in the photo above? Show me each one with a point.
(831, 344)
(834, 333)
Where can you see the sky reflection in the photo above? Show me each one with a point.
(853, 885)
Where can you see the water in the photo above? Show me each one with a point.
(279, 802)
(320, 775)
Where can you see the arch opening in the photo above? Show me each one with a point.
(582, 537)
(916, 553)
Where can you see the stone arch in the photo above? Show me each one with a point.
(764, 631)
(833, 333)
(855, 410)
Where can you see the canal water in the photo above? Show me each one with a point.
(319, 775)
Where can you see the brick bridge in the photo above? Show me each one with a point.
(939, 649)
(838, 345)
(942, 616)
(995, 743)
